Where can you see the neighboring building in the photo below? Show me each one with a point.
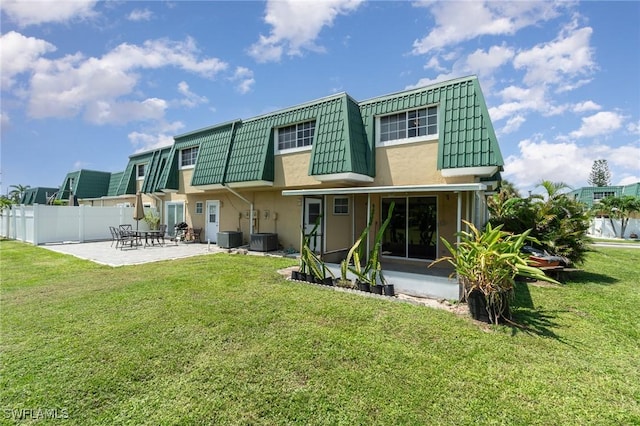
(38, 195)
(590, 195)
(431, 150)
(84, 184)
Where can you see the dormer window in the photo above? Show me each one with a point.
(296, 136)
(408, 126)
(140, 171)
(188, 157)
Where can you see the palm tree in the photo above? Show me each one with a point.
(618, 208)
(16, 194)
(553, 189)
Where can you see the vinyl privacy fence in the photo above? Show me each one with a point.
(42, 224)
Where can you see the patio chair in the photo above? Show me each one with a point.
(128, 228)
(193, 234)
(123, 237)
(162, 229)
(114, 235)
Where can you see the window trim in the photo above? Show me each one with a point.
(188, 166)
(144, 171)
(407, 140)
(297, 148)
(335, 213)
(200, 205)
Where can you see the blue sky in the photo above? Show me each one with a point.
(85, 84)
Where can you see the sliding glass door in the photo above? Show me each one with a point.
(412, 231)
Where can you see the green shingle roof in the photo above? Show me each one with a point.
(37, 195)
(213, 153)
(467, 137)
(86, 184)
(114, 183)
(158, 162)
(344, 138)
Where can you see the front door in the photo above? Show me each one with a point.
(212, 226)
(174, 214)
(313, 214)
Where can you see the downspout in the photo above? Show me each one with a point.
(246, 201)
(159, 200)
(233, 128)
(458, 230)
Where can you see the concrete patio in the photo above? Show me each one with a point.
(103, 252)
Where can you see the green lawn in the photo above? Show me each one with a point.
(223, 339)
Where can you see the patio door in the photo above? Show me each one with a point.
(212, 226)
(174, 212)
(313, 213)
(412, 232)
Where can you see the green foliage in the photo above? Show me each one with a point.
(310, 262)
(5, 202)
(618, 208)
(600, 174)
(489, 261)
(373, 268)
(152, 219)
(17, 192)
(558, 223)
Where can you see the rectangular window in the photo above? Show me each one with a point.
(296, 136)
(188, 156)
(597, 196)
(199, 207)
(340, 206)
(140, 171)
(416, 123)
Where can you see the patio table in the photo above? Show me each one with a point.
(150, 237)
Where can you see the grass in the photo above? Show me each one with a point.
(223, 339)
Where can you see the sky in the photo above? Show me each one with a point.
(85, 84)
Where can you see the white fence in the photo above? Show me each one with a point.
(601, 228)
(41, 224)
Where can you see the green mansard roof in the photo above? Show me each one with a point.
(85, 184)
(466, 135)
(344, 139)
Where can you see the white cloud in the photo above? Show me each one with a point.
(628, 180)
(567, 162)
(557, 162)
(4, 120)
(67, 86)
(519, 100)
(556, 62)
(513, 124)
(156, 137)
(586, 106)
(634, 128)
(626, 156)
(102, 112)
(138, 15)
(25, 13)
(601, 123)
(456, 22)
(190, 99)
(19, 54)
(296, 25)
(483, 63)
(244, 77)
